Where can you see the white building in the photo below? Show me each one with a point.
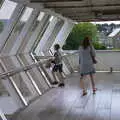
(114, 38)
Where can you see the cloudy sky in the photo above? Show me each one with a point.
(108, 22)
(9, 6)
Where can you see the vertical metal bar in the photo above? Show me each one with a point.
(18, 92)
(13, 90)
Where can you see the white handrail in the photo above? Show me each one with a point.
(2, 115)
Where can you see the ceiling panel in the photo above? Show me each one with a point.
(79, 10)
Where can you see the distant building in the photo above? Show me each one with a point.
(114, 38)
(103, 38)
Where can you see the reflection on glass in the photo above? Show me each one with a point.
(51, 18)
(36, 26)
(27, 89)
(20, 81)
(21, 85)
(3, 91)
(23, 20)
(6, 11)
(40, 17)
(17, 30)
(1, 26)
(1, 2)
(36, 45)
(7, 104)
(37, 21)
(32, 34)
(26, 14)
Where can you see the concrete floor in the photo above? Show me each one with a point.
(7, 105)
(68, 104)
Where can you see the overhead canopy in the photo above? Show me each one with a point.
(82, 10)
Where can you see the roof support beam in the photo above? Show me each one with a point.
(48, 1)
(79, 6)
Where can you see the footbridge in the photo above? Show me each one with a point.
(26, 43)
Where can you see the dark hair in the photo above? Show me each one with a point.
(86, 42)
(56, 46)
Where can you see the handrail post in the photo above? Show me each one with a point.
(2, 115)
(111, 69)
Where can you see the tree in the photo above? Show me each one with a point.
(99, 46)
(78, 33)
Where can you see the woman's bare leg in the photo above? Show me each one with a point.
(92, 82)
(82, 85)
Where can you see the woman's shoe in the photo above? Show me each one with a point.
(94, 90)
(84, 93)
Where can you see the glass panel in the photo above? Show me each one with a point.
(1, 2)
(51, 18)
(26, 14)
(2, 116)
(7, 104)
(32, 35)
(34, 74)
(36, 22)
(22, 80)
(35, 47)
(17, 30)
(6, 11)
(3, 91)
(26, 88)
(40, 17)
(23, 20)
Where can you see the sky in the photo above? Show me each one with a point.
(8, 7)
(108, 22)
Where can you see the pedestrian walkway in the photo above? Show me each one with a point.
(68, 104)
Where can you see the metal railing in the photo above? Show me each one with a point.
(22, 91)
(2, 116)
(108, 61)
(24, 68)
(71, 60)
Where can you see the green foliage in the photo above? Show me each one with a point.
(99, 46)
(116, 49)
(19, 26)
(1, 2)
(1, 26)
(78, 33)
